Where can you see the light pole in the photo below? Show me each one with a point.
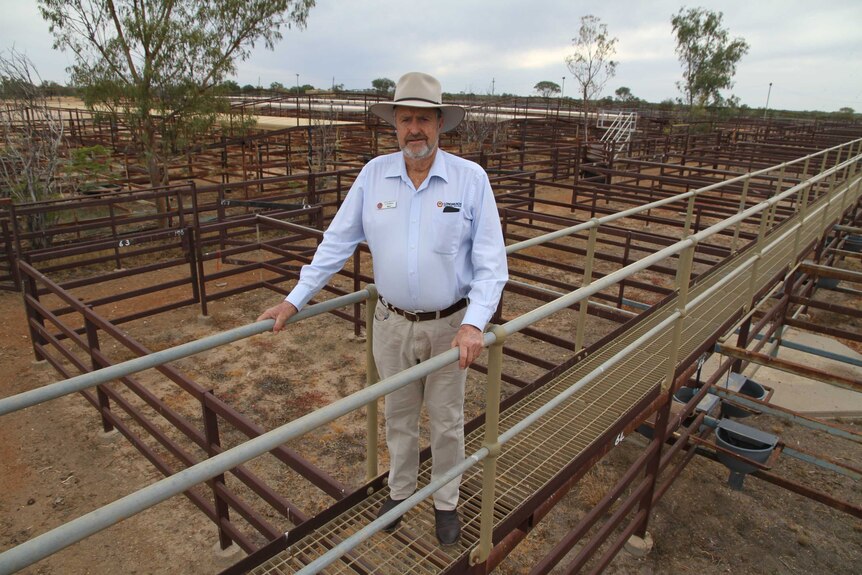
(768, 93)
(563, 89)
(297, 99)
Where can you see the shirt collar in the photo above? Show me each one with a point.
(398, 169)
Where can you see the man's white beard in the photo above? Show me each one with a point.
(421, 154)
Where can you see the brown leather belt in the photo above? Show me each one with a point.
(426, 315)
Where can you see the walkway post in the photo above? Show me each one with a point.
(371, 377)
(683, 282)
(736, 229)
(584, 305)
(480, 553)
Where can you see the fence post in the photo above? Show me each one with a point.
(371, 377)
(315, 219)
(8, 244)
(111, 213)
(626, 252)
(555, 170)
(191, 246)
(652, 468)
(211, 434)
(93, 344)
(480, 553)
(33, 316)
(221, 217)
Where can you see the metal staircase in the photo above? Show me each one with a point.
(618, 126)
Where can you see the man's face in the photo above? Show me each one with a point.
(418, 130)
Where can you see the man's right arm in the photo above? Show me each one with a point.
(339, 243)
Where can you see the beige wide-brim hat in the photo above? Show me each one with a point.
(419, 90)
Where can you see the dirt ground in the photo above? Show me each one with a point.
(58, 465)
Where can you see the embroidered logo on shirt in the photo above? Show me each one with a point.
(386, 205)
(449, 206)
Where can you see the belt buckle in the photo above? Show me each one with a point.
(412, 316)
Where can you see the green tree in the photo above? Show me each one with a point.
(87, 166)
(229, 87)
(156, 63)
(383, 85)
(707, 54)
(624, 94)
(52, 89)
(591, 63)
(546, 88)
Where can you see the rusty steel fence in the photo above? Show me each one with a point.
(134, 408)
(623, 378)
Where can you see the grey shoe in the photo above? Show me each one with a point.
(387, 506)
(448, 526)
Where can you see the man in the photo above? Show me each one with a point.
(432, 226)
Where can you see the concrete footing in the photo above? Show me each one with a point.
(232, 553)
(639, 547)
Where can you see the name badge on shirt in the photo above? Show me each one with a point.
(386, 205)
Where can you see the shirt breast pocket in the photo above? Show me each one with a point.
(449, 230)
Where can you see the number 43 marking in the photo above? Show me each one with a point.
(124, 243)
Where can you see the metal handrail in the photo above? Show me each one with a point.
(88, 524)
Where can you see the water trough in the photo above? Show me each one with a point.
(746, 441)
(744, 386)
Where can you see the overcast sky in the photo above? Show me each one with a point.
(811, 52)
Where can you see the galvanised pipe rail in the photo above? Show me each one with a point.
(48, 543)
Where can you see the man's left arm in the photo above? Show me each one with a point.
(490, 273)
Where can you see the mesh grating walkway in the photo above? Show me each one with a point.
(535, 457)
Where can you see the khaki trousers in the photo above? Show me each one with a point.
(399, 344)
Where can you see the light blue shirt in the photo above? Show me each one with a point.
(430, 246)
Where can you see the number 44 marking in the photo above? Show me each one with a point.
(619, 439)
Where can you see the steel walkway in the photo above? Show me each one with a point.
(533, 460)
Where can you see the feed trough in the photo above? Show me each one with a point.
(853, 243)
(746, 441)
(743, 386)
